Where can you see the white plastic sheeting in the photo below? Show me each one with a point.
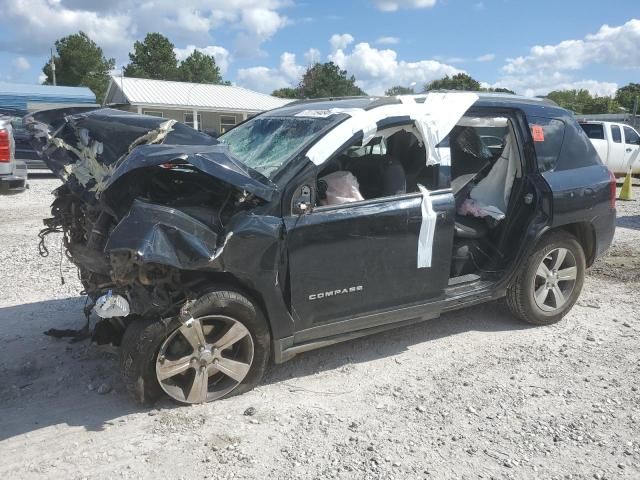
(427, 230)
(494, 190)
(434, 119)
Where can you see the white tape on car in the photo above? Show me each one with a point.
(427, 230)
(434, 119)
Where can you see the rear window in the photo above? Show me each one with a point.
(594, 131)
(615, 134)
(548, 135)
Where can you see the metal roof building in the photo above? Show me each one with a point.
(22, 98)
(204, 106)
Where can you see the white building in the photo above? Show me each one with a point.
(206, 107)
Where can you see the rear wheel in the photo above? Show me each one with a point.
(223, 350)
(550, 282)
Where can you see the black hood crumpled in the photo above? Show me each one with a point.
(92, 150)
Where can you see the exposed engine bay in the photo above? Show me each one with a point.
(140, 218)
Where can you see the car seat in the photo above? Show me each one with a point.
(468, 153)
(378, 175)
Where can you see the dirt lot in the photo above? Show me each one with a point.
(473, 394)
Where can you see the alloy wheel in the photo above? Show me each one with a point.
(555, 280)
(204, 359)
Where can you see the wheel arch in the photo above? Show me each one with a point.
(226, 280)
(586, 235)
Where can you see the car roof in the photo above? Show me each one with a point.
(533, 105)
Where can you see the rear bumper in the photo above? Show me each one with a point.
(16, 182)
(604, 228)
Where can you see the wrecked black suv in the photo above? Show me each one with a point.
(318, 222)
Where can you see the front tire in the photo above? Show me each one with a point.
(223, 351)
(550, 282)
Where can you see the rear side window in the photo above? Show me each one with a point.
(594, 131)
(615, 134)
(548, 136)
(631, 137)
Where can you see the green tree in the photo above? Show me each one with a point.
(327, 80)
(153, 58)
(601, 105)
(460, 81)
(582, 102)
(625, 96)
(286, 92)
(200, 68)
(399, 90)
(79, 61)
(500, 90)
(573, 100)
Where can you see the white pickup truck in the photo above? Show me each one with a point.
(617, 144)
(13, 174)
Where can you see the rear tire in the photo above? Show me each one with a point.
(144, 340)
(550, 282)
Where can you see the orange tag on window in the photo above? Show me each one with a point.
(538, 133)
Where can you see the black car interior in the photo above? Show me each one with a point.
(396, 164)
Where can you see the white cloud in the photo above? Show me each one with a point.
(340, 41)
(20, 64)
(32, 26)
(260, 24)
(376, 70)
(222, 55)
(488, 57)
(263, 23)
(619, 46)
(542, 83)
(388, 41)
(312, 56)
(554, 67)
(36, 24)
(264, 79)
(261, 79)
(191, 21)
(290, 69)
(393, 5)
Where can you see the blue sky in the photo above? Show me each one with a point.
(530, 47)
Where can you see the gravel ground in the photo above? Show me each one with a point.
(473, 394)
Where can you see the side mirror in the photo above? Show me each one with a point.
(302, 203)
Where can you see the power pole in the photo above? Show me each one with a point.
(53, 68)
(635, 110)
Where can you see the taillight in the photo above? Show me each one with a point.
(5, 147)
(613, 189)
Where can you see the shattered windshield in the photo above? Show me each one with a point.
(266, 143)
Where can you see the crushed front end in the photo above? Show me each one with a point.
(143, 210)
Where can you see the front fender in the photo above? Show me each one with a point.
(165, 235)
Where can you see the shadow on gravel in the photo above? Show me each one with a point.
(489, 317)
(45, 379)
(629, 221)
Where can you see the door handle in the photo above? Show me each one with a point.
(588, 191)
(629, 150)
